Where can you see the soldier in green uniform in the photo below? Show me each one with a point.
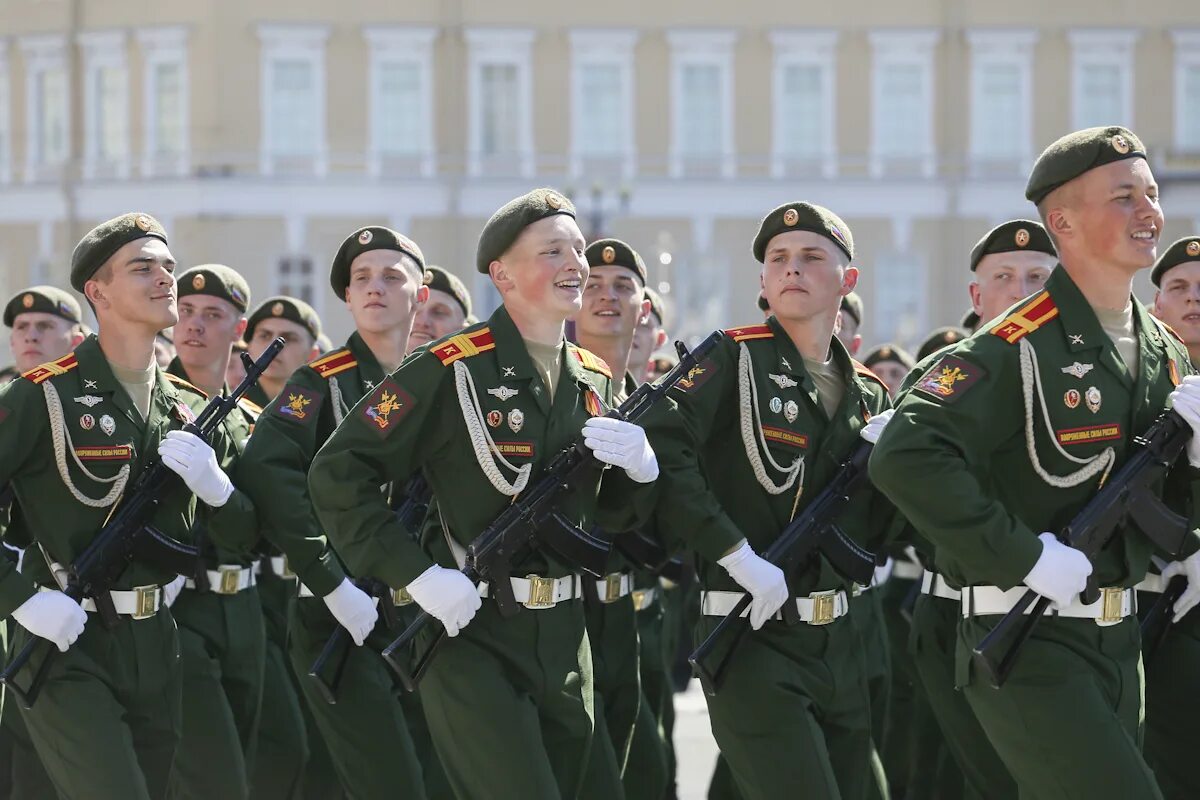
(891, 363)
(444, 313)
(72, 432)
(761, 428)
(508, 700)
(1011, 262)
(221, 634)
(379, 274)
(1176, 278)
(292, 320)
(1017, 426)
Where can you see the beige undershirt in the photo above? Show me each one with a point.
(547, 359)
(831, 387)
(139, 383)
(1119, 326)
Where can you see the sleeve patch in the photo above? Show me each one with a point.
(298, 403)
(697, 376)
(949, 379)
(386, 406)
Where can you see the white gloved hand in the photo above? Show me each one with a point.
(875, 426)
(354, 610)
(762, 579)
(1189, 567)
(883, 572)
(1186, 402)
(190, 457)
(171, 590)
(621, 444)
(1061, 572)
(53, 616)
(448, 595)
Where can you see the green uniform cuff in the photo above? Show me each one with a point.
(323, 575)
(1021, 556)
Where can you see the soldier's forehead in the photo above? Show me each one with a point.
(279, 325)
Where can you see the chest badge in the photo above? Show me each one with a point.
(87, 422)
(509, 372)
(516, 420)
(89, 400)
(108, 425)
(1071, 398)
(1092, 397)
(494, 418)
(776, 405)
(784, 361)
(183, 413)
(1077, 370)
(503, 393)
(783, 381)
(89, 384)
(791, 410)
(1076, 338)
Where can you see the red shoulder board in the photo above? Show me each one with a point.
(42, 372)
(865, 371)
(750, 332)
(1028, 318)
(591, 361)
(185, 384)
(464, 345)
(331, 364)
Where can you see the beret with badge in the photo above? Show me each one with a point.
(516, 215)
(438, 278)
(1077, 153)
(1185, 250)
(98, 245)
(615, 253)
(45, 300)
(803, 217)
(1013, 237)
(216, 280)
(289, 308)
(888, 352)
(938, 339)
(364, 240)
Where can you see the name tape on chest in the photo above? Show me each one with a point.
(1086, 435)
(120, 452)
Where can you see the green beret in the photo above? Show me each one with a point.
(970, 320)
(98, 245)
(1013, 237)
(614, 252)
(939, 339)
(1186, 249)
(763, 305)
(657, 307)
(888, 352)
(803, 217)
(372, 237)
(216, 280)
(513, 217)
(1078, 152)
(438, 278)
(289, 308)
(44, 300)
(852, 304)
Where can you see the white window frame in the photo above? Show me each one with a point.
(1187, 54)
(607, 47)
(810, 48)
(394, 44)
(42, 53)
(904, 47)
(702, 48)
(1011, 48)
(511, 46)
(293, 42)
(6, 117)
(1109, 47)
(101, 50)
(163, 46)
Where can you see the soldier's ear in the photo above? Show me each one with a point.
(240, 328)
(1058, 223)
(849, 279)
(94, 291)
(1157, 309)
(499, 273)
(423, 295)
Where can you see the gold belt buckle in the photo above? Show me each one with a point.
(541, 592)
(612, 587)
(1112, 604)
(144, 605)
(229, 578)
(641, 599)
(823, 607)
(401, 597)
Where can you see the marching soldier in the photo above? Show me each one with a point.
(295, 322)
(45, 322)
(764, 424)
(1017, 426)
(221, 634)
(508, 701)
(444, 313)
(73, 431)
(1011, 262)
(1176, 279)
(891, 363)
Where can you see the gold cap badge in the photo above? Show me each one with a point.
(1193, 248)
(1022, 237)
(198, 282)
(791, 216)
(364, 237)
(608, 254)
(1120, 144)
(27, 301)
(142, 221)
(277, 309)
(553, 200)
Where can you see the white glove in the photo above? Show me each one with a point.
(883, 572)
(354, 610)
(1191, 595)
(448, 595)
(171, 590)
(762, 579)
(1186, 401)
(875, 426)
(190, 457)
(1061, 572)
(53, 616)
(621, 444)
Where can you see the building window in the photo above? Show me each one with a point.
(1001, 99)
(902, 136)
(293, 99)
(105, 104)
(602, 94)
(701, 103)
(500, 102)
(803, 138)
(401, 115)
(1102, 77)
(294, 278)
(47, 111)
(901, 297)
(165, 104)
(1187, 91)
(5, 116)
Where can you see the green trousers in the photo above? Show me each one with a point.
(932, 647)
(21, 772)
(792, 717)
(108, 720)
(866, 613)
(509, 704)
(223, 643)
(616, 690)
(367, 733)
(1067, 723)
(651, 754)
(1173, 705)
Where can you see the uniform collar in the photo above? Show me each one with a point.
(96, 377)
(1081, 327)
(369, 368)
